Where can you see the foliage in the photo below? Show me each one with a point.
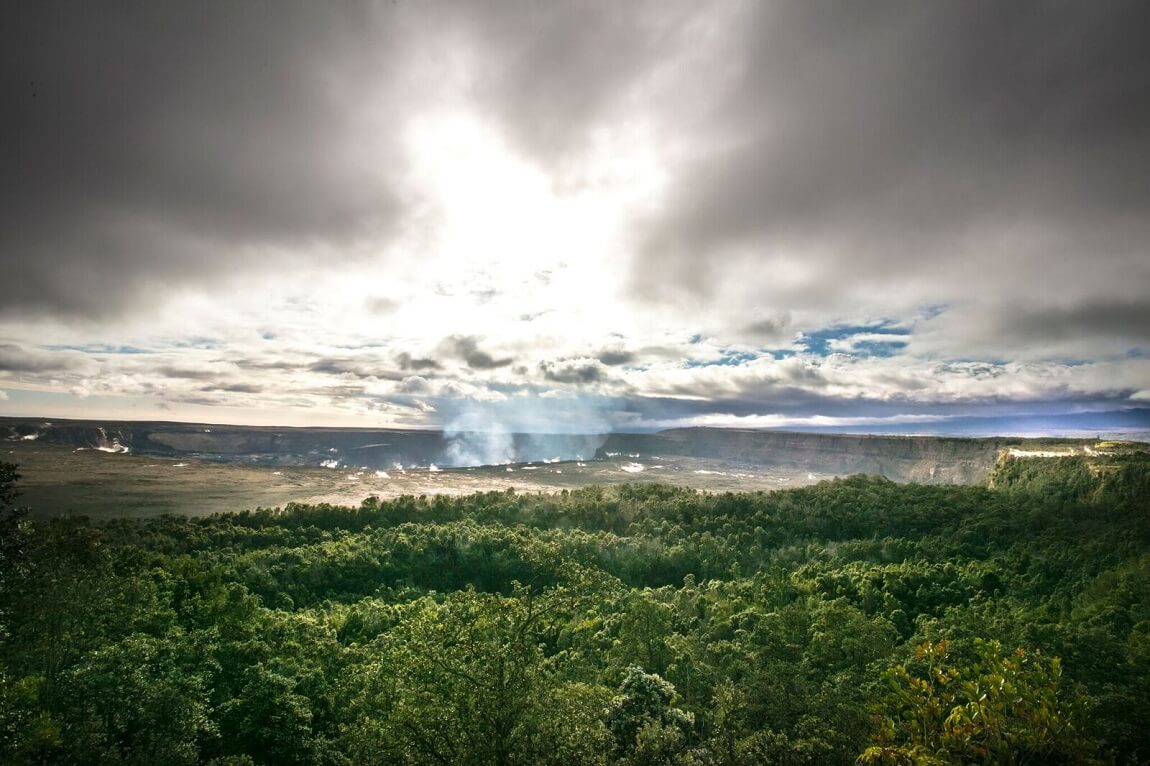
(858, 619)
(996, 707)
(645, 725)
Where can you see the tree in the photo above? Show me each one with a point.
(8, 479)
(463, 682)
(998, 707)
(13, 537)
(647, 727)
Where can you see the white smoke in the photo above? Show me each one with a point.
(521, 430)
(475, 437)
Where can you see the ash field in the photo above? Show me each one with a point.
(102, 469)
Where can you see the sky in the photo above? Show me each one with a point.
(574, 216)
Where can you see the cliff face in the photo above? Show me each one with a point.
(240, 444)
(926, 459)
(902, 458)
(343, 447)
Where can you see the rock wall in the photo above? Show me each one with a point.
(346, 447)
(926, 459)
(902, 458)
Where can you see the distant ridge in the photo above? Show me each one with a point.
(965, 458)
(920, 458)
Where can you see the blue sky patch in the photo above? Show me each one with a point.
(100, 348)
(728, 359)
(819, 342)
(883, 348)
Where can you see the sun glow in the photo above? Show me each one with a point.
(505, 240)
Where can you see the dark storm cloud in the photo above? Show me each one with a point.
(419, 364)
(768, 330)
(355, 367)
(185, 373)
(615, 357)
(1092, 328)
(152, 143)
(1122, 320)
(575, 372)
(466, 348)
(331, 366)
(551, 72)
(888, 141)
(988, 160)
(234, 388)
(17, 359)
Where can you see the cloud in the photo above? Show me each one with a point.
(576, 372)
(407, 362)
(554, 72)
(235, 388)
(679, 210)
(365, 366)
(382, 305)
(466, 347)
(1127, 321)
(416, 384)
(614, 357)
(82, 391)
(17, 359)
(1080, 330)
(168, 144)
(884, 157)
(185, 373)
(768, 330)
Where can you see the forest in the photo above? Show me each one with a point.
(858, 620)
